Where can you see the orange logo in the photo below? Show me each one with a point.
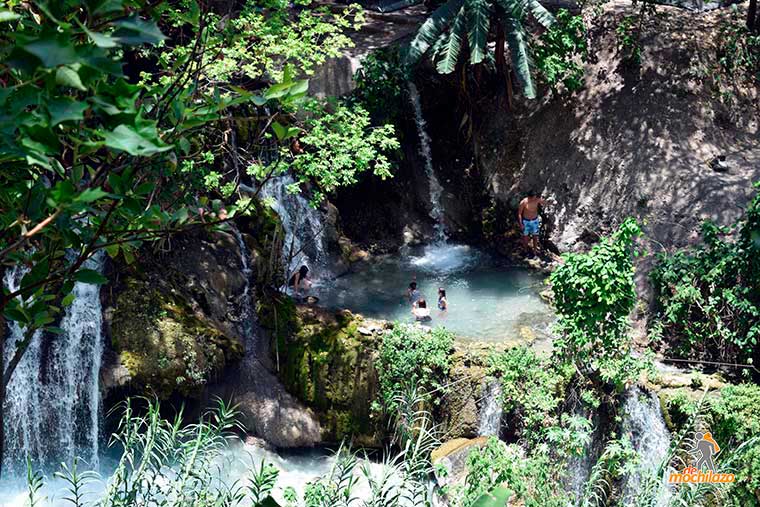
(704, 450)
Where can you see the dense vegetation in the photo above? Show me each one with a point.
(710, 303)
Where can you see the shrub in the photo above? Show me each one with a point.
(561, 51)
(411, 357)
(708, 295)
(594, 294)
(531, 388)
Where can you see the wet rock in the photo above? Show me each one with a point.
(452, 456)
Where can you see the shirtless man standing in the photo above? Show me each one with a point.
(527, 217)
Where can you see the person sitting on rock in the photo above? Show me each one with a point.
(527, 218)
(300, 279)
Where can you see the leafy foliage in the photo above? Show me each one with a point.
(341, 144)
(735, 420)
(457, 23)
(263, 38)
(379, 84)
(594, 293)
(708, 294)
(535, 479)
(532, 389)
(561, 50)
(412, 357)
(631, 28)
(739, 50)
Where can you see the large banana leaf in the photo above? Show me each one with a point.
(539, 12)
(478, 21)
(450, 49)
(432, 29)
(518, 50)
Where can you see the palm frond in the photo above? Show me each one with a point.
(478, 14)
(518, 50)
(449, 50)
(432, 29)
(543, 16)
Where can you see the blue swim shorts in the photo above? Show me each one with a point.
(530, 227)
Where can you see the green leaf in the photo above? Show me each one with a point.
(540, 13)
(478, 17)
(518, 50)
(431, 29)
(8, 16)
(90, 276)
(65, 109)
(52, 50)
(91, 195)
(135, 31)
(126, 138)
(67, 76)
(68, 299)
(453, 45)
(16, 315)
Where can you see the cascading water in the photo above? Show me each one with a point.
(246, 304)
(644, 425)
(52, 409)
(436, 210)
(303, 225)
(491, 411)
(22, 407)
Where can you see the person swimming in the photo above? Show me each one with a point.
(413, 294)
(300, 279)
(420, 311)
(443, 303)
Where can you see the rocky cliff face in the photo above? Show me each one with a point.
(179, 329)
(328, 361)
(635, 141)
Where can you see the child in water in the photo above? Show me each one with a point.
(420, 311)
(443, 304)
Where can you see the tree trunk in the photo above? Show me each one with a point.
(501, 61)
(752, 24)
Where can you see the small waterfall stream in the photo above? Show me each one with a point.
(436, 211)
(645, 426)
(491, 411)
(246, 303)
(303, 225)
(52, 410)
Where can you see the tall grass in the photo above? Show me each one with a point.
(165, 463)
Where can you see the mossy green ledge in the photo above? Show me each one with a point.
(328, 360)
(166, 347)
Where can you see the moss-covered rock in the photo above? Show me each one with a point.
(163, 344)
(327, 362)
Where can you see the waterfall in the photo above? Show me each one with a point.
(491, 411)
(436, 210)
(644, 425)
(303, 225)
(246, 304)
(52, 408)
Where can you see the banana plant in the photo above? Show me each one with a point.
(461, 26)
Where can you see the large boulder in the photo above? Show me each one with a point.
(327, 361)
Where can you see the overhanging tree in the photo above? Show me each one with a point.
(113, 135)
